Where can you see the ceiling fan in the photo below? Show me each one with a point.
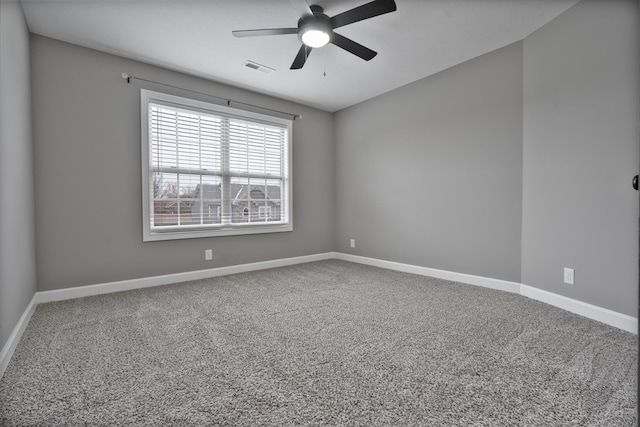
(315, 29)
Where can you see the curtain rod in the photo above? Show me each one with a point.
(129, 77)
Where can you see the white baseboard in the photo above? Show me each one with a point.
(618, 320)
(16, 334)
(485, 282)
(610, 317)
(146, 282)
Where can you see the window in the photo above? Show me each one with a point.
(264, 212)
(210, 170)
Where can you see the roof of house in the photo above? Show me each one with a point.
(239, 192)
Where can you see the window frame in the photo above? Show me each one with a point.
(151, 233)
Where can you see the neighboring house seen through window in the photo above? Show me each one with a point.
(210, 170)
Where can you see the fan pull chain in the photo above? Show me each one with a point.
(324, 63)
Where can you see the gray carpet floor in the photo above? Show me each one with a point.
(325, 343)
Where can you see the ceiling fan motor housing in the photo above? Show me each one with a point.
(316, 23)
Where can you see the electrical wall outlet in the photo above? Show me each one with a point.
(208, 254)
(569, 276)
(353, 243)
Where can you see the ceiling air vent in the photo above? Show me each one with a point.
(258, 67)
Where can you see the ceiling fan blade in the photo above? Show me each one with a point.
(366, 11)
(301, 57)
(302, 7)
(353, 47)
(264, 32)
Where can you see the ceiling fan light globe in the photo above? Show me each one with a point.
(315, 38)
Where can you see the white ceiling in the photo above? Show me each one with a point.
(421, 38)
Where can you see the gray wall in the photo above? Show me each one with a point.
(581, 96)
(87, 180)
(17, 241)
(431, 174)
(512, 165)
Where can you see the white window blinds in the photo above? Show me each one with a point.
(210, 170)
